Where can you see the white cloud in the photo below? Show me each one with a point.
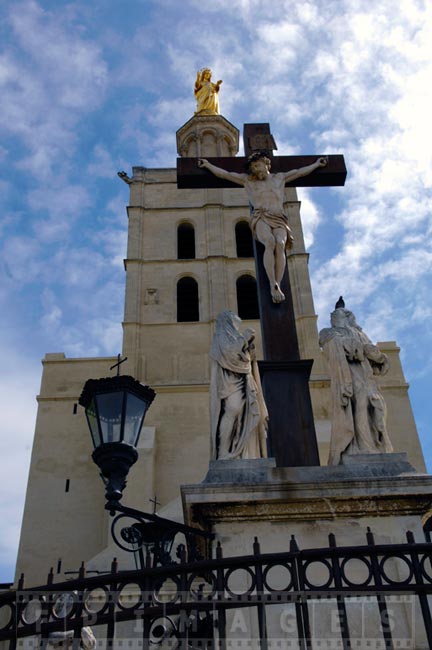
(310, 216)
(102, 164)
(47, 81)
(286, 33)
(81, 78)
(21, 257)
(61, 201)
(380, 115)
(59, 206)
(114, 243)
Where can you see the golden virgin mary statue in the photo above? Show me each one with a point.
(206, 93)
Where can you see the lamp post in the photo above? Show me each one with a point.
(115, 408)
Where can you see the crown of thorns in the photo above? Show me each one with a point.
(258, 155)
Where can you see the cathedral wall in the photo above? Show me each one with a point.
(181, 417)
(400, 419)
(154, 285)
(64, 516)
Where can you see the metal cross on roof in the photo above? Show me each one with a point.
(117, 365)
(155, 503)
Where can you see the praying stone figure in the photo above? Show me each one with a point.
(238, 414)
(269, 223)
(359, 410)
(206, 93)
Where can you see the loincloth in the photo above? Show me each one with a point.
(273, 221)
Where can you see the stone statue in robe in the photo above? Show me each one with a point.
(238, 414)
(359, 409)
(206, 93)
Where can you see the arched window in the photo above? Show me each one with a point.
(244, 243)
(247, 297)
(185, 242)
(187, 300)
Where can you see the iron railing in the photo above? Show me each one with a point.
(371, 596)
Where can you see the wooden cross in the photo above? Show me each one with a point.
(285, 377)
(189, 175)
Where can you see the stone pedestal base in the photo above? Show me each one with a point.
(245, 499)
(239, 500)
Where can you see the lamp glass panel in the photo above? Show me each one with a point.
(93, 423)
(110, 415)
(135, 411)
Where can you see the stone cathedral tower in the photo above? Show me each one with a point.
(188, 258)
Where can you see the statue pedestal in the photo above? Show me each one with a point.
(207, 136)
(245, 499)
(239, 500)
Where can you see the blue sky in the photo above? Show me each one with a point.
(90, 88)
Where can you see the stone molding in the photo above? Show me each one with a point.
(257, 491)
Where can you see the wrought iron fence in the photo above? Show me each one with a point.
(371, 596)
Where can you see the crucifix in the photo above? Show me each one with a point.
(285, 377)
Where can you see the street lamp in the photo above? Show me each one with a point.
(115, 408)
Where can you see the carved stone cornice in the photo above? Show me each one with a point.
(258, 491)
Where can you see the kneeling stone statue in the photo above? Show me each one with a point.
(238, 414)
(359, 410)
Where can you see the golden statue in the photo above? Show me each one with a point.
(207, 93)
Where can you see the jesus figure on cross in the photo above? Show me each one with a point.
(269, 223)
